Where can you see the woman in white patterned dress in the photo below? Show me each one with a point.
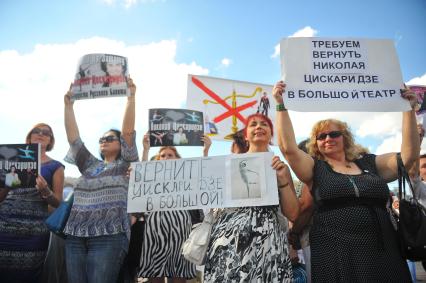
(247, 243)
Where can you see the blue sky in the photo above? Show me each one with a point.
(165, 40)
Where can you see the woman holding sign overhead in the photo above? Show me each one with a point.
(24, 237)
(248, 244)
(98, 228)
(352, 238)
(166, 231)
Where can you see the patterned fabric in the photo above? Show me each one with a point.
(100, 195)
(248, 245)
(24, 237)
(165, 232)
(352, 238)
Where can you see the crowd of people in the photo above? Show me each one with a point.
(336, 215)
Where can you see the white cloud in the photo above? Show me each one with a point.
(33, 85)
(304, 32)
(380, 124)
(418, 80)
(129, 3)
(391, 144)
(225, 62)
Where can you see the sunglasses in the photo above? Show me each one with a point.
(108, 139)
(43, 132)
(332, 135)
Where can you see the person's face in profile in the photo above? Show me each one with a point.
(114, 69)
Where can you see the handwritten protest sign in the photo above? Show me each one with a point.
(175, 127)
(227, 103)
(100, 75)
(19, 165)
(204, 182)
(343, 74)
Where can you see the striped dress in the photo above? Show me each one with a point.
(24, 237)
(165, 232)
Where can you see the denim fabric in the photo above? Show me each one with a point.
(95, 259)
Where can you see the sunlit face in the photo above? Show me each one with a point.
(110, 146)
(166, 154)
(258, 131)
(423, 168)
(330, 144)
(41, 135)
(114, 69)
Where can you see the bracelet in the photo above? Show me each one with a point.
(283, 186)
(281, 107)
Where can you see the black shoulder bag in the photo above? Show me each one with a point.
(412, 219)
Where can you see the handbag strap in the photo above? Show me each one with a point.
(403, 178)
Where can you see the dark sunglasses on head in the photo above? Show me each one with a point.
(108, 139)
(332, 134)
(43, 132)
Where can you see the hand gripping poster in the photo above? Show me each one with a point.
(19, 165)
(341, 74)
(100, 75)
(175, 127)
(227, 103)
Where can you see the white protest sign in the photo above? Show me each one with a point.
(100, 75)
(204, 182)
(227, 103)
(343, 74)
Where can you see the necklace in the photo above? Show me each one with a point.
(347, 164)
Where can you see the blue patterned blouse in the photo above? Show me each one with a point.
(100, 195)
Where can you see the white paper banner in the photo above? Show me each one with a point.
(205, 182)
(343, 74)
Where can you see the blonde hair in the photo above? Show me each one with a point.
(352, 150)
(172, 148)
(49, 147)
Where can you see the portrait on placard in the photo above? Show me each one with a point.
(100, 75)
(246, 178)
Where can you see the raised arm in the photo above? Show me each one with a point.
(70, 122)
(288, 200)
(300, 162)
(207, 143)
(386, 163)
(146, 147)
(128, 126)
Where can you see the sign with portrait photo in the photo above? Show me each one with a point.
(175, 127)
(19, 165)
(100, 75)
(204, 182)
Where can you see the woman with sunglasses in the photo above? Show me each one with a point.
(352, 237)
(166, 231)
(248, 244)
(98, 228)
(24, 238)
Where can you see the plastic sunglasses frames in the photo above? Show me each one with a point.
(332, 134)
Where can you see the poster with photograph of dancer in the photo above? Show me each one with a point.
(175, 127)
